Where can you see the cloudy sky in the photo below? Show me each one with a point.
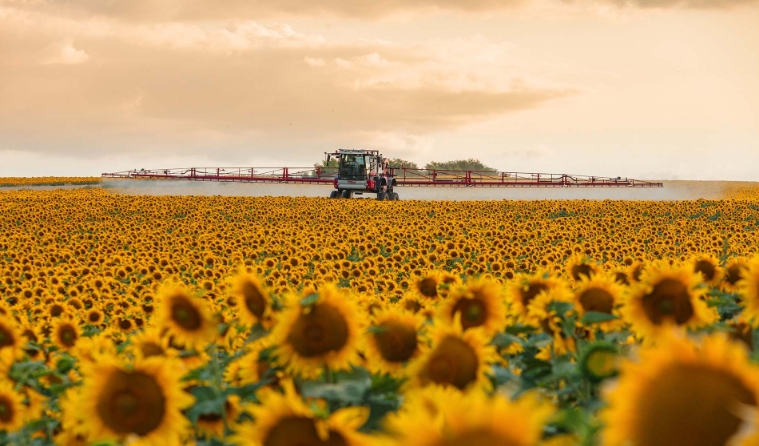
(664, 89)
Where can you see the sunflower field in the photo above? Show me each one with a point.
(168, 320)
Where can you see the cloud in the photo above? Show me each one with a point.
(181, 86)
(63, 52)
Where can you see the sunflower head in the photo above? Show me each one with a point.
(140, 400)
(708, 266)
(667, 296)
(579, 266)
(251, 297)
(455, 358)
(65, 333)
(186, 317)
(479, 304)
(392, 340)
(684, 392)
(319, 330)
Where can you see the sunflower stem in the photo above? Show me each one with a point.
(217, 386)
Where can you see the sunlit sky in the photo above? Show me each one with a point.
(646, 88)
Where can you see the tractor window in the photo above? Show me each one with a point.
(353, 167)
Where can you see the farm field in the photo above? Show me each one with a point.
(152, 319)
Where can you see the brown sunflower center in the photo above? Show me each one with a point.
(150, 349)
(6, 410)
(319, 331)
(254, 299)
(733, 274)
(427, 287)
(185, 314)
(580, 270)
(67, 335)
(706, 268)
(131, 402)
(597, 299)
(621, 277)
(6, 337)
(93, 316)
(300, 431)
(532, 292)
(453, 362)
(669, 299)
(397, 341)
(482, 437)
(691, 404)
(473, 312)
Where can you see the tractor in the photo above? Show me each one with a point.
(360, 172)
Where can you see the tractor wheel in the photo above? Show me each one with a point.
(334, 194)
(382, 196)
(396, 197)
(346, 194)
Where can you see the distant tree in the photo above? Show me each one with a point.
(333, 162)
(470, 164)
(397, 162)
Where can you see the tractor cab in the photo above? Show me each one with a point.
(362, 171)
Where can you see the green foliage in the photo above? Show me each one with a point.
(469, 164)
(398, 162)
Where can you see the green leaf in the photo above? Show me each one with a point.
(309, 300)
(503, 340)
(595, 317)
(559, 307)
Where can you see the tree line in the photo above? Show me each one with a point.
(462, 164)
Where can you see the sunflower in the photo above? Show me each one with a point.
(150, 342)
(667, 296)
(579, 266)
(65, 333)
(11, 408)
(186, 317)
(141, 402)
(251, 297)
(427, 285)
(734, 271)
(683, 392)
(392, 340)
(601, 294)
(479, 304)
(11, 341)
(708, 266)
(455, 358)
(748, 288)
(526, 287)
(440, 418)
(323, 330)
(253, 366)
(284, 419)
(542, 309)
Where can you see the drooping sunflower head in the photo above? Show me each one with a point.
(151, 341)
(685, 392)
(708, 266)
(185, 316)
(667, 296)
(251, 297)
(734, 272)
(478, 304)
(526, 287)
(443, 418)
(579, 266)
(320, 330)
(455, 358)
(284, 419)
(392, 340)
(142, 400)
(427, 286)
(256, 363)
